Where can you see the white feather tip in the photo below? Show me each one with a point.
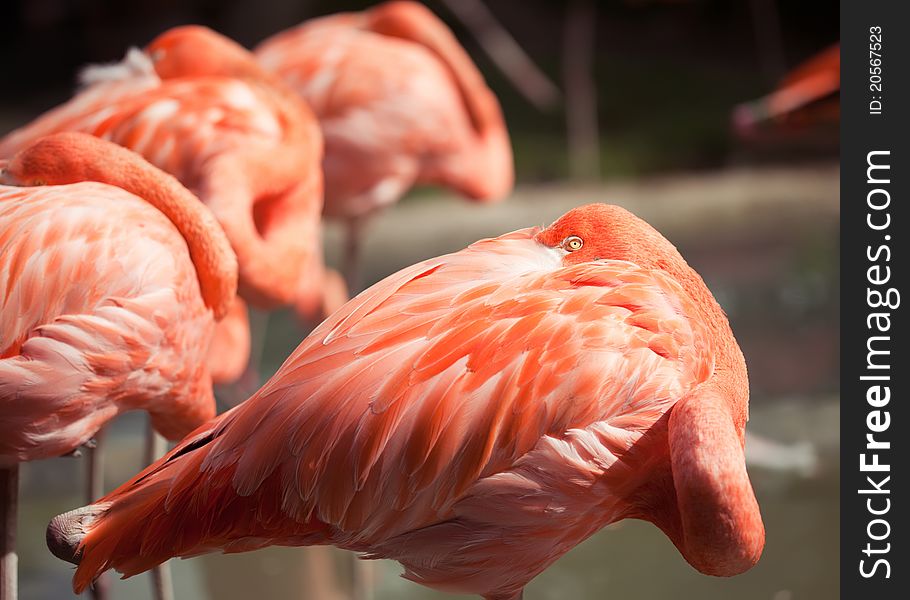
(135, 64)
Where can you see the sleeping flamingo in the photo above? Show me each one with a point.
(400, 103)
(112, 275)
(474, 417)
(198, 106)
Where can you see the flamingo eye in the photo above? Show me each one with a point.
(573, 243)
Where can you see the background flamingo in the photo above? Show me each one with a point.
(111, 277)
(809, 93)
(400, 103)
(474, 417)
(196, 105)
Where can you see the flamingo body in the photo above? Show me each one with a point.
(400, 103)
(474, 417)
(105, 306)
(394, 111)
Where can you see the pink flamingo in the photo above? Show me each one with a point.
(400, 103)
(198, 106)
(112, 275)
(474, 417)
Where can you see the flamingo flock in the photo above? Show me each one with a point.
(474, 416)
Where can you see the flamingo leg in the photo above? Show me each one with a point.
(94, 490)
(95, 484)
(320, 575)
(259, 325)
(517, 596)
(353, 248)
(162, 581)
(364, 578)
(9, 496)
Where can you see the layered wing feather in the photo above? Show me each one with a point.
(88, 303)
(441, 376)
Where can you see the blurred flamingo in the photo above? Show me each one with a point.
(400, 103)
(112, 275)
(198, 106)
(474, 417)
(809, 93)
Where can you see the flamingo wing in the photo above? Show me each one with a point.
(473, 400)
(350, 86)
(236, 143)
(430, 119)
(450, 371)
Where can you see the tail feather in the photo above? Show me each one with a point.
(178, 506)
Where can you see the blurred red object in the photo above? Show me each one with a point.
(806, 99)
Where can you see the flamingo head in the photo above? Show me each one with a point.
(604, 231)
(193, 51)
(56, 159)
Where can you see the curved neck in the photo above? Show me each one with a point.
(634, 240)
(720, 530)
(730, 375)
(414, 22)
(73, 157)
(705, 502)
(216, 265)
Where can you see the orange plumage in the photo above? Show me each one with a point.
(111, 279)
(474, 417)
(399, 102)
(196, 105)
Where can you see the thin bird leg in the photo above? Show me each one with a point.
(94, 490)
(364, 578)
(320, 575)
(9, 496)
(517, 596)
(162, 582)
(252, 378)
(352, 269)
(95, 484)
(525, 76)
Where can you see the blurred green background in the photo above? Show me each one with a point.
(757, 216)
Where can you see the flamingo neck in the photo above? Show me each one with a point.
(92, 159)
(216, 265)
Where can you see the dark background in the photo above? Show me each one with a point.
(667, 72)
